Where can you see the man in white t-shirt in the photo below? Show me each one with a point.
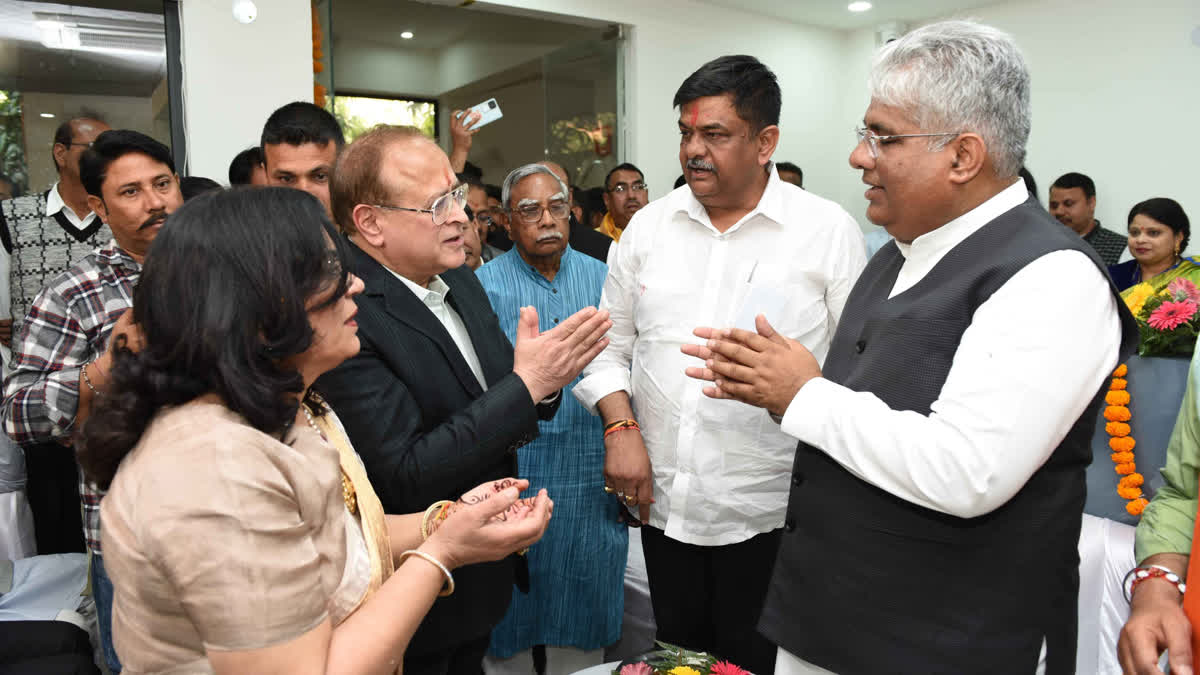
(711, 477)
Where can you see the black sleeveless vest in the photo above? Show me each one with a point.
(868, 583)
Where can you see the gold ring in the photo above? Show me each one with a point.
(608, 490)
(630, 499)
(523, 551)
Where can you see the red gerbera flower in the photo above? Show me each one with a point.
(1171, 315)
(726, 668)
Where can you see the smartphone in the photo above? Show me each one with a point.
(489, 111)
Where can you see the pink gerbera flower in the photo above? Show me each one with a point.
(1171, 315)
(1183, 289)
(726, 668)
(637, 669)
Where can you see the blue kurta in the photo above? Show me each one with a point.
(577, 570)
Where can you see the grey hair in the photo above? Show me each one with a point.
(960, 76)
(521, 173)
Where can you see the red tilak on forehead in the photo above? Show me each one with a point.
(695, 114)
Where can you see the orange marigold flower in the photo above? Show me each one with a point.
(1136, 506)
(1117, 429)
(1118, 384)
(1132, 480)
(1120, 371)
(1122, 457)
(1129, 493)
(1117, 398)
(1125, 468)
(1117, 413)
(1122, 444)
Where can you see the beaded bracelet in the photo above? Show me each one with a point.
(449, 587)
(87, 380)
(1140, 574)
(439, 506)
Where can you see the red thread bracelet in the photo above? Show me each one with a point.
(1141, 574)
(622, 426)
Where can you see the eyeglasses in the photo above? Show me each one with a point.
(484, 218)
(622, 188)
(532, 213)
(442, 206)
(873, 140)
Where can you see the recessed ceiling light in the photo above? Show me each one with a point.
(48, 116)
(407, 35)
(858, 6)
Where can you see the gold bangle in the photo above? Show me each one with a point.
(425, 533)
(449, 587)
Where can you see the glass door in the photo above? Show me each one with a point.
(582, 84)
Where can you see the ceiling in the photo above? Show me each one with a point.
(436, 27)
(833, 13)
(27, 65)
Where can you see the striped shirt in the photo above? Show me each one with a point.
(67, 326)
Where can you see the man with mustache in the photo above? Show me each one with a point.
(939, 481)
(574, 606)
(438, 397)
(710, 477)
(1073, 203)
(624, 193)
(63, 354)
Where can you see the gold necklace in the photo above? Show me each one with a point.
(348, 494)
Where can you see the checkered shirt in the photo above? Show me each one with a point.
(68, 325)
(1108, 244)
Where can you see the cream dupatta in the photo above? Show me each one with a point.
(370, 510)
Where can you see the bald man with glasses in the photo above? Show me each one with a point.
(438, 397)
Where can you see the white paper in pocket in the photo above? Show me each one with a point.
(760, 299)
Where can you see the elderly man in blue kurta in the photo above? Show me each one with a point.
(575, 602)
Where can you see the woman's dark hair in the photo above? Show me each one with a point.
(1166, 211)
(221, 305)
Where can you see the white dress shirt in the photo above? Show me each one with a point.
(721, 468)
(434, 298)
(1034, 356)
(55, 203)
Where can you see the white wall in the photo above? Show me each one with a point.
(1115, 85)
(462, 63)
(364, 67)
(235, 75)
(121, 112)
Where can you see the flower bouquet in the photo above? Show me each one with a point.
(1167, 320)
(671, 660)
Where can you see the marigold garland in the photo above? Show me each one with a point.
(1117, 414)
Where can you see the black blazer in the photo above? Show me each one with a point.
(586, 240)
(426, 430)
